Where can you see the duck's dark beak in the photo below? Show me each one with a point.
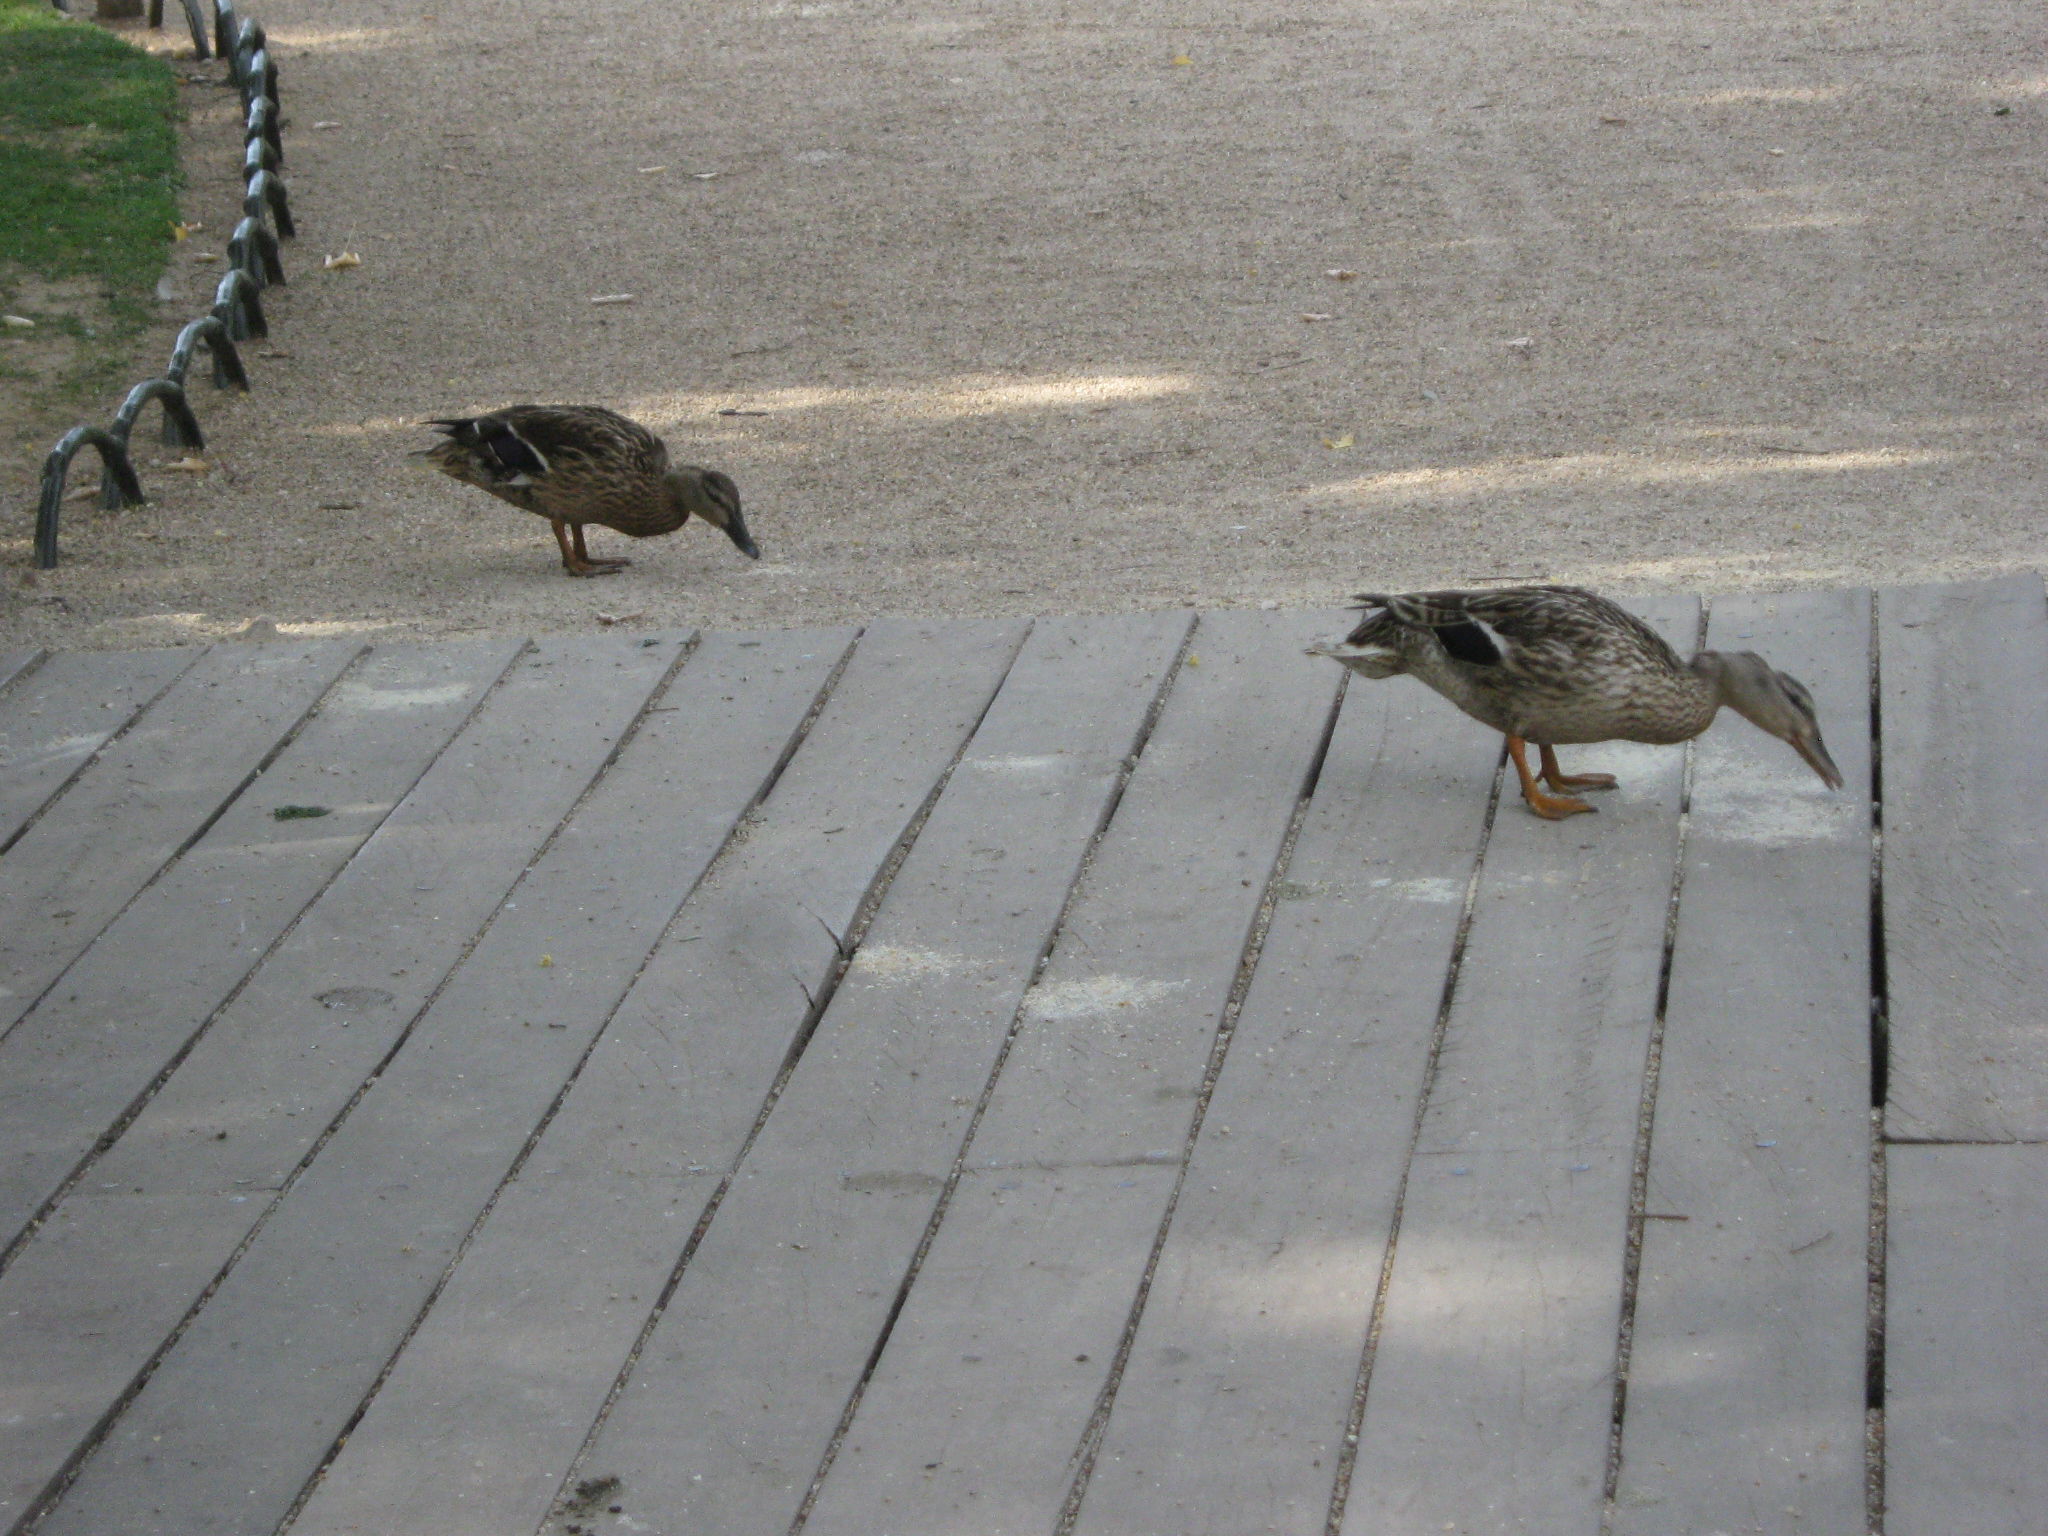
(736, 530)
(1815, 752)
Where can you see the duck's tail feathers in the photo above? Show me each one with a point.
(488, 444)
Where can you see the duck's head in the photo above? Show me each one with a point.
(713, 497)
(1772, 701)
(1373, 658)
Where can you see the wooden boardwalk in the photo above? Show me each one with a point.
(1102, 1076)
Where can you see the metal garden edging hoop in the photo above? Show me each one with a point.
(254, 263)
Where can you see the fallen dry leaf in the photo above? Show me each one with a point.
(1344, 441)
(345, 259)
(1312, 314)
(609, 619)
(18, 322)
(1342, 274)
(190, 465)
(1181, 61)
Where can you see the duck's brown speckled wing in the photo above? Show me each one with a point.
(1552, 664)
(1546, 631)
(578, 463)
(580, 440)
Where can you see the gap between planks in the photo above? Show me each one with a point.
(847, 945)
(1090, 1444)
(148, 1091)
(734, 835)
(1148, 722)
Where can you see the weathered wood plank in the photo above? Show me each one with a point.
(1747, 1372)
(1966, 1340)
(148, 984)
(60, 716)
(974, 1415)
(1964, 684)
(293, 1340)
(14, 663)
(1231, 1413)
(1002, 1349)
(138, 803)
(90, 1299)
(1489, 1402)
(496, 1391)
(908, 707)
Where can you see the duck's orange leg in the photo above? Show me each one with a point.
(1549, 807)
(1557, 780)
(607, 565)
(575, 558)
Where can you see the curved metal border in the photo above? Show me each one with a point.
(227, 361)
(114, 466)
(181, 427)
(253, 249)
(266, 190)
(255, 262)
(194, 20)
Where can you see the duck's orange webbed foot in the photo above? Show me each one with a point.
(1549, 807)
(1560, 780)
(576, 559)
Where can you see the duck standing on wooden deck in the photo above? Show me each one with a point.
(1558, 665)
(577, 464)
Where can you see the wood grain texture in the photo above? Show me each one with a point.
(292, 1341)
(1490, 1397)
(399, 1143)
(1964, 674)
(146, 987)
(1232, 1410)
(60, 715)
(493, 1397)
(136, 805)
(1966, 1341)
(15, 662)
(99, 1287)
(1004, 1342)
(1747, 1374)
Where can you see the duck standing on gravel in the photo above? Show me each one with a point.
(577, 464)
(1559, 665)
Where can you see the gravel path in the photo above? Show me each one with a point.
(1014, 306)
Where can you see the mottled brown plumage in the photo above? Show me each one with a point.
(1558, 665)
(577, 464)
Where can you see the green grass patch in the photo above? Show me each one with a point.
(88, 152)
(89, 179)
